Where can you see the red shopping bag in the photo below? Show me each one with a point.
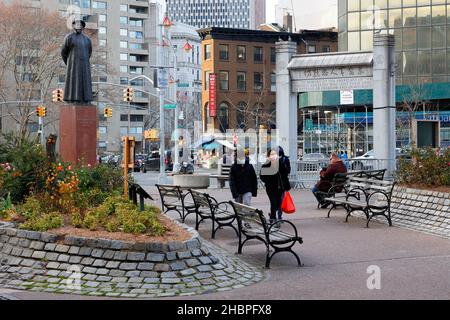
(288, 204)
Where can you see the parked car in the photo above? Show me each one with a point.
(152, 162)
(315, 157)
(367, 161)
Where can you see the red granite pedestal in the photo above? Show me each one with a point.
(78, 131)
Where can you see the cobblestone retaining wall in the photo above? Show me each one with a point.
(421, 210)
(44, 262)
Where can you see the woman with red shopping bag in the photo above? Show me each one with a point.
(275, 177)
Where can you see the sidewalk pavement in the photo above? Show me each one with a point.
(336, 257)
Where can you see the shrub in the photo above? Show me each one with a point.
(426, 168)
(28, 163)
(44, 222)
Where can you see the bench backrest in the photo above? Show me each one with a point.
(249, 219)
(373, 174)
(378, 192)
(203, 200)
(224, 170)
(169, 192)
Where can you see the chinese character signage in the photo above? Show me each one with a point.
(212, 95)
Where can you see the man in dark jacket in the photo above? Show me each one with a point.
(275, 177)
(287, 164)
(326, 177)
(243, 182)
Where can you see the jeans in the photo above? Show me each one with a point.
(314, 191)
(245, 199)
(280, 212)
(275, 203)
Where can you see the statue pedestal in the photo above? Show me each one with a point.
(78, 130)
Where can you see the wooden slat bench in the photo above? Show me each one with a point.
(369, 195)
(339, 185)
(253, 225)
(174, 199)
(208, 208)
(223, 176)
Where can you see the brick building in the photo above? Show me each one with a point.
(244, 63)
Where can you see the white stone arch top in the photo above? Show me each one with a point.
(331, 71)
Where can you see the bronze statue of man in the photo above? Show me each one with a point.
(76, 52)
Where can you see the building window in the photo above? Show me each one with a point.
(123, 20)
(137, 118)
(311, 49)
(136, 130)
(223, 52)
(102, 42)
(241, 53)
(273, 82)
(207, 73)
(124, 32)
(124, 69)
(223, 80)
(123, 117)
(102, 130)
(123, 131)
(123, 80)
(258, 54)
(223, 117)
(207, 51)
(326, 49)
(242, 81)
(124, 56)
(124, 44)
(258, 81)
(273, 55)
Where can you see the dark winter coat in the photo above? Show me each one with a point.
(243, 180)
(278, 182)
(285, 160)
(326, 176)
(76, 52)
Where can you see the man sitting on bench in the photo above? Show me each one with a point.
(326, 177)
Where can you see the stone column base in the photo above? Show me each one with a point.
(78, 129)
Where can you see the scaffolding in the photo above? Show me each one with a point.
(351, 129)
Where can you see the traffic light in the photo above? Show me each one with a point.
(108, 112)
(58, 95)
(128, 94)
(41, 111)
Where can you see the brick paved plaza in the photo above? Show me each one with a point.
(336, 257)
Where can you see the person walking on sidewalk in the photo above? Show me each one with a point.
(285, 160)
(243, 182)
(275, 177)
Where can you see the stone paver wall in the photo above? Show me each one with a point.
(45, 262)
(421, 210)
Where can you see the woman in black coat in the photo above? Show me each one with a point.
(275, 177)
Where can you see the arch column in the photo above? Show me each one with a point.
(286, 102)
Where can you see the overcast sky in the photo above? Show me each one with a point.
(309, 14)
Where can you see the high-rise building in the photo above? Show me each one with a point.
(242, 14)
(127, 39)
(422, 45)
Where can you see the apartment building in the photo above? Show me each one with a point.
(244, 63)
(241, 14)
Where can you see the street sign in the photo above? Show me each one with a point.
(170, 106)
(183, 85)
(309, 124)
(347, 97)
(212, 95)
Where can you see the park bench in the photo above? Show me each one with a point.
(208, 208)
(134, 190)
(368, 195)
(223, 176)
(339, 185)
(253, 225)
(174, 199)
